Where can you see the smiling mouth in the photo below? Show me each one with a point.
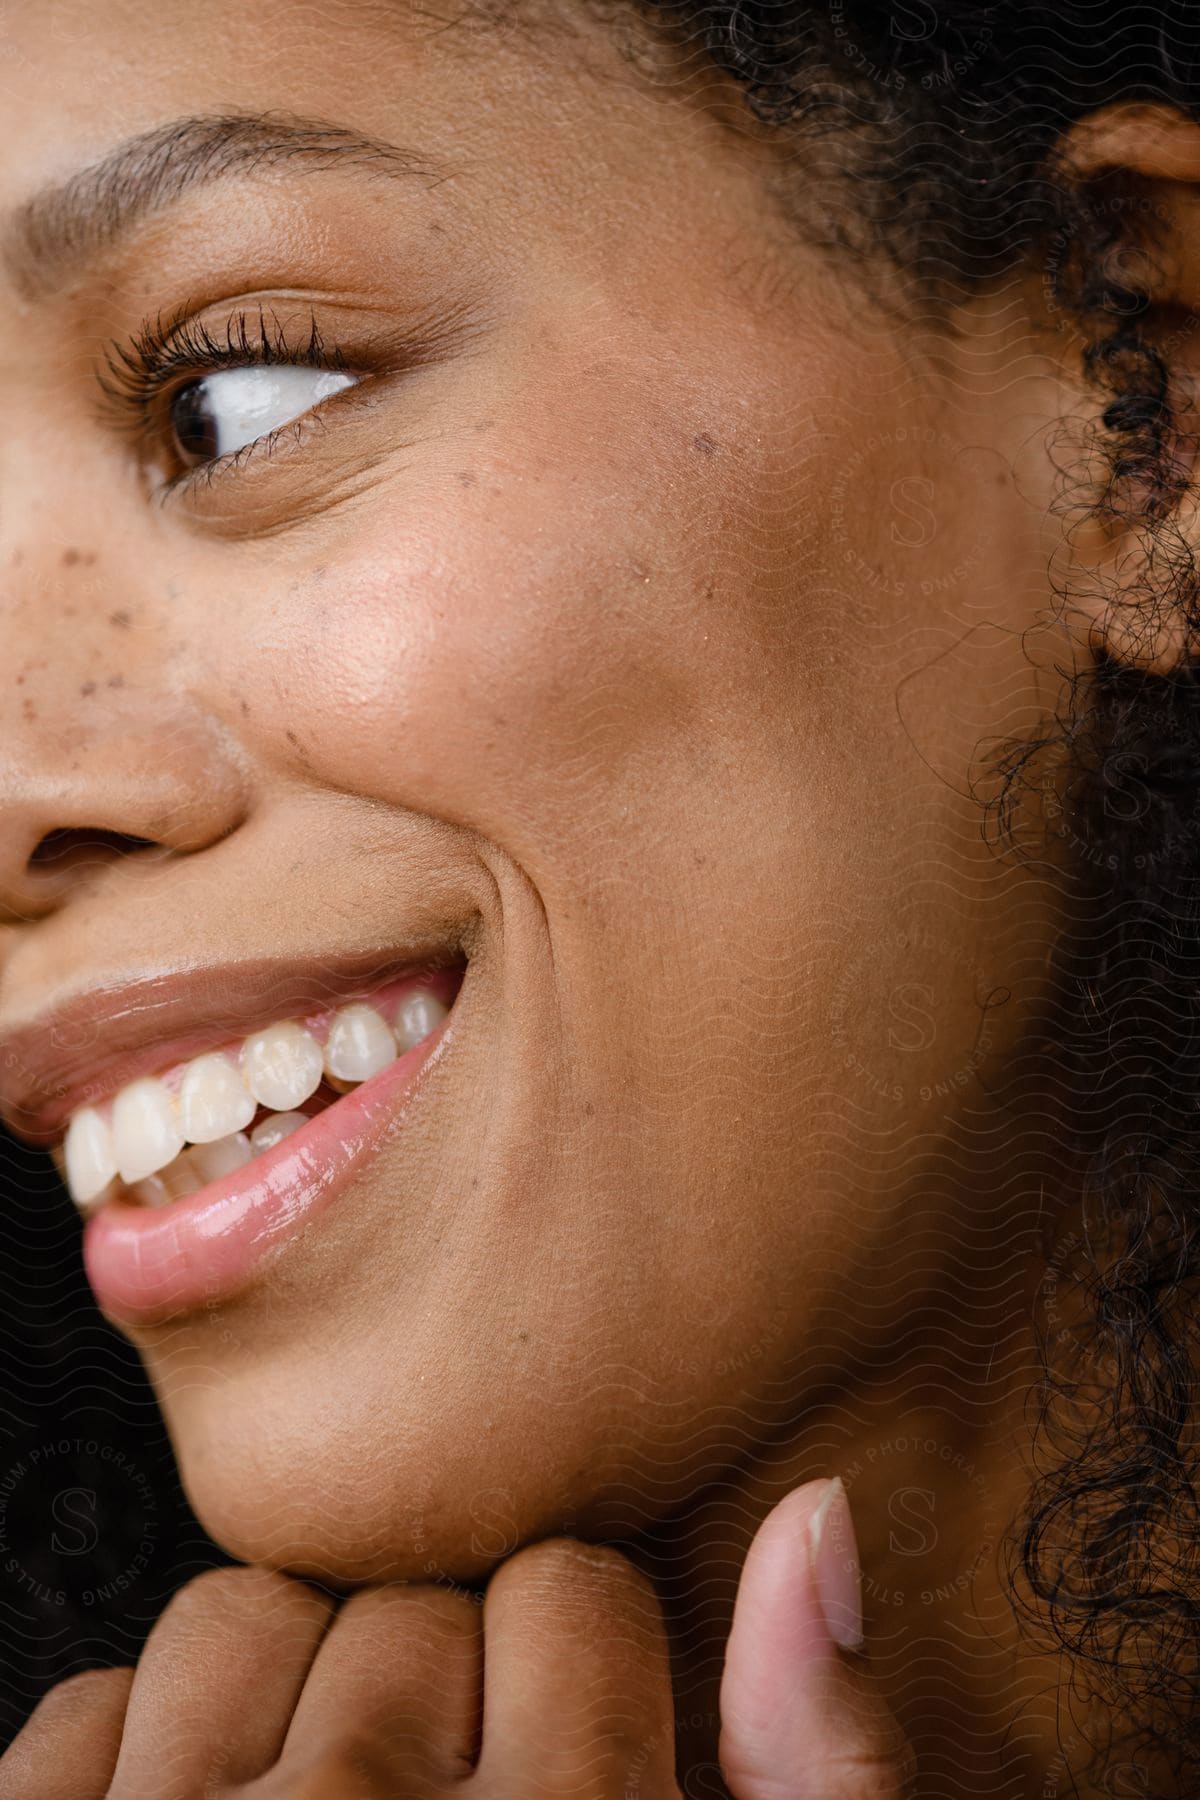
(165, 1136)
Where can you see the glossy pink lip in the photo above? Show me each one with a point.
(83, 1050)
(148, 1264)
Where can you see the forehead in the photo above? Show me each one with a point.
(79, 76)
(548, 117)
(115, 110)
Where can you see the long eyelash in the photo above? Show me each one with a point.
(139, 372)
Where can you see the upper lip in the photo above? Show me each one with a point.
(97, 1040)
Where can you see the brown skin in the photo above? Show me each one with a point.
(643, 642)
(558, 1684)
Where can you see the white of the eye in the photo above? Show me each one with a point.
(247, 403)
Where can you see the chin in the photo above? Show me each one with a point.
(351, 1480)
(343, 1482)
(347, 1507)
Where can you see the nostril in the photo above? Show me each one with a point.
(62, 850)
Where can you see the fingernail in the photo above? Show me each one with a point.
(833, 1554)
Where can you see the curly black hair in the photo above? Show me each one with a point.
(946, 117)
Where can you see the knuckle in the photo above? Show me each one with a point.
(888, 1773)
(588, 1595)
(410, 1625)
(569, 1562)
(230, 1593)
(424, 1605)
(89, 1702)
(878, 1763)
(349, 1769)
(91, 1691)
(595, 1783)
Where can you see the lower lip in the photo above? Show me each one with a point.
(148, 1264)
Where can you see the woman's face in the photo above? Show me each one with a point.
(627, 628)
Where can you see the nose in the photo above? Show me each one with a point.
(99, 767)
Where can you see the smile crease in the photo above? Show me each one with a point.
(163, 1137)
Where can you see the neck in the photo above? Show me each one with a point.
(931, 1435)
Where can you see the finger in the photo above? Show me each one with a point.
(214, 1690)
(398, 1677)
(348, 1772)
(67, 1748)
(800, 1716)
(577, 1691)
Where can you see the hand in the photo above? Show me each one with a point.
(254, 1686)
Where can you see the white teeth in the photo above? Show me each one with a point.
(283, 1065)
(179, 1179)
(191, 1170)
(88, 1150)
(273, 1130)
(169, 1138)
(359, 1044)
(213, 1100)
(222, 1157)
(152, 1191)
(421, 1013)
(145, 1134)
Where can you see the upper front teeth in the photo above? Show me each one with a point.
(359, 1044)
(90, 1161)
(283, 1066)
(145, 1134)
(213, 1100)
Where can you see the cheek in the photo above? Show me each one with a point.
(536, 626)
(475, 670)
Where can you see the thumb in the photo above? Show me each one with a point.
(800, 1714)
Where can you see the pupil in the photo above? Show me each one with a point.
(192, 421)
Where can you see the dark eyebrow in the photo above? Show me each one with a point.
(60, 228)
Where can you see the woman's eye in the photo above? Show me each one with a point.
(230, 408)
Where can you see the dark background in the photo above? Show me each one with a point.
(95, 1534)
